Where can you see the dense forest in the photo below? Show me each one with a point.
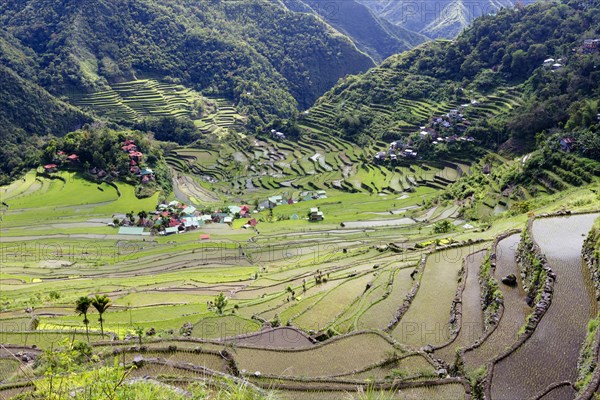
(283, 58)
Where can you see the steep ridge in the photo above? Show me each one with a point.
(232, 47)
(373, 35)
(435, 18)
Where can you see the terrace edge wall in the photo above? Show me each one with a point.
(539, 309)
(591, 243)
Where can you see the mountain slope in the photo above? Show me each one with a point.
(375, 36)
(282, 57)
(434, 18)
(496, 63)
(27, 109)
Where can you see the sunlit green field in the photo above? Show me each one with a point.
(342, 280)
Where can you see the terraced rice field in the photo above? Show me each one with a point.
(8, 368)
(141, 98)
(558, 336)
(471, 327)
(245, 166)
(427, 320)
(515, 308)
(437, 392)
(224, 118)
(382, 312)
(325, 360)
(339, 284)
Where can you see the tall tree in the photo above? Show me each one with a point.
(142, 215)
(220, 303)
(101, 304)
(82, 305)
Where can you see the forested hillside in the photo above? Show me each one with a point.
(262, 56)
(496, 70)
(27, 109)
(282, 58)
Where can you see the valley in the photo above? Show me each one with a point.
(303, 296)
(298, 200)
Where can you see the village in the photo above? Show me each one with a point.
(176, 217)
(448, 128)
(141, 173)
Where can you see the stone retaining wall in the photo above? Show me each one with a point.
(543, 295)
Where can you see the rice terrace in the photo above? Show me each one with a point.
(373, 297)
(259, 200)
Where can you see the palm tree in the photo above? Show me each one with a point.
(82, 305)
(101, 304)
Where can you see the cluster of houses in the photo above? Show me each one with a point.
(448, 128)
(397, 148)
(61, 158)
(587, 47)
(176, 217)
(551, 63)
(275, 201)
(146, 175)
(590, 45)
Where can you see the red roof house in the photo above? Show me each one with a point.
(244, 210)
(129, 147)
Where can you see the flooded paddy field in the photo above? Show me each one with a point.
(515, 308)
(472, 315)
(558, 337)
